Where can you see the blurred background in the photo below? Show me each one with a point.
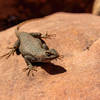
(13, 12)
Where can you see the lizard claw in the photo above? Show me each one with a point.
(29, 70)
(9, 53)
(48, 36)
(25, 69)
(9, 47)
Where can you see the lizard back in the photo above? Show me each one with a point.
(30, 44)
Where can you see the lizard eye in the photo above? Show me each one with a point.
(48, 53)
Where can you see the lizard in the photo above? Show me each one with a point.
(32, 48)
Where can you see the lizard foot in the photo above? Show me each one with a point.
(29, 70)
(48, 36)
(11, 52)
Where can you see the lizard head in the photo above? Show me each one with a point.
(49, 55)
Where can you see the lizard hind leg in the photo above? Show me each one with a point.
(11, 52)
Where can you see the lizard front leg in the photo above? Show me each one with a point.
(39, 35)
(29, 59)
(13, 49)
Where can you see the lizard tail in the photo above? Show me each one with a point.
(17, 31)
(19, 25)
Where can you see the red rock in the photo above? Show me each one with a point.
(78, 39)
(96, 7)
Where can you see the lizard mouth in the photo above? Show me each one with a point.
(57, 57)
(51, 57)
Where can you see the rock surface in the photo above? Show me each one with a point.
(96, 7)
(75, 77)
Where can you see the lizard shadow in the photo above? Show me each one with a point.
(51, 68)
